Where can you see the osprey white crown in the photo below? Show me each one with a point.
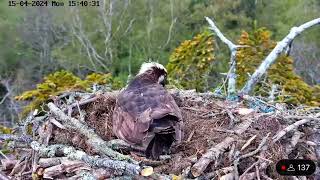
(149, 65)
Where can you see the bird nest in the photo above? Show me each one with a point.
(72, 138)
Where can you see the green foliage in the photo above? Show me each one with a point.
(189, 64)
(294, 89)
(62, 81)
(5, 130)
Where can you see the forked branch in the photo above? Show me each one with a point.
(270, 59)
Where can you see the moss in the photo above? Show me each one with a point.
(189, 64)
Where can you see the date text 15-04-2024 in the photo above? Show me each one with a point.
(53, 3)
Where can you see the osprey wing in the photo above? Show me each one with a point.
(137, 109)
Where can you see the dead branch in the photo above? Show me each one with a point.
(118, 144)
(8, 164)
(294, 141)
(81, 103)
(295, 125)
(263, 142)
(48, 162)
(215, 152)
(4, 177)
(274, 54)
(233, 49)
(66, 166)
(247, 170)
(93, 139)
(211, 155)
(11, 137)
(248, 142)
(73, 154)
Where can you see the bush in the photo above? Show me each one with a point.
(62, 81)
(190, 63)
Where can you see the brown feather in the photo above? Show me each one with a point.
(143, 112)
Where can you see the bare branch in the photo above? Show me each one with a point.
(73, 154)
(93, 139)
(220, 35)
(233, 49)
(289, 128)
(270, 59)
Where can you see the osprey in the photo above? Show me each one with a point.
(145, 113)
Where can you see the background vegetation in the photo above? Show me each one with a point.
(118, 36)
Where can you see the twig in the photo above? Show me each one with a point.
(224, 130)
(11, 137)
(247, 170)
(190, 136)
(118, 144)
(81, 103)
(5, 97)
(235, 165)
(257, 172)
(248, 142)
(262, 143)
(2, 154)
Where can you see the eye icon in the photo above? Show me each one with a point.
(295, 167)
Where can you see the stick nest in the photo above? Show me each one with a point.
(72, 138)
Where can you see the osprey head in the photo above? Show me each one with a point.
(154, 70)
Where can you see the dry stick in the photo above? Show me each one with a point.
(48, 162)
(248, 142)
(294, 140)
(262, 143)
(295, 125)
(11, 137)
(81, 103)
(119, 144)
(215, 152)
(65, 167)
(252, 153)
(270, 59)
(257, 171)
(73, 154)
(93, 139)
(4, 177)
(248, 169)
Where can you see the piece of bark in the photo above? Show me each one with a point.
(66, 166)
(48, 162)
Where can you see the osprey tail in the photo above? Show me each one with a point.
(165, 134)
